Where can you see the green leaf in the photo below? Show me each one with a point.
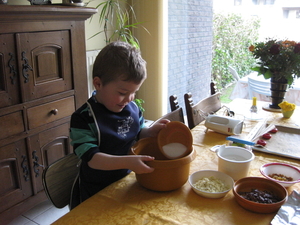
(139, 103)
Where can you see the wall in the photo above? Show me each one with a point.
(190, 43)
(178, 51)
(153, 48)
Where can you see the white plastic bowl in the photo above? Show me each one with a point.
(226, 179)
(281, 168)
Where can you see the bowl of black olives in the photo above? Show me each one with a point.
(260, 195)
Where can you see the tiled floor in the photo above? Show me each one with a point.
(42, 214)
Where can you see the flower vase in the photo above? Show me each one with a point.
(278, 90)
(287, 114)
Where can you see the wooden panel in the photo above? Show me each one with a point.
(47, 147)
(54, 147)
(11, 124)
(46, 113)
(57, 13)
(46, 57)
(9, 82)
(14, 175)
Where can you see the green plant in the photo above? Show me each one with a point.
(139, 103)
(118, 19)
(277, 59)
(232, 36)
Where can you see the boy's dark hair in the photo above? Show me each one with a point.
(119, 59)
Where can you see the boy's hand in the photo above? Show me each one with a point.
(137, 165)
(154, 129)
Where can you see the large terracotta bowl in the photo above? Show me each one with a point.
(168, 174)
(249, 183)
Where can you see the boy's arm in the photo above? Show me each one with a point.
(102, 161)
(84, 136)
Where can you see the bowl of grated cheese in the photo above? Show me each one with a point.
(211, 183)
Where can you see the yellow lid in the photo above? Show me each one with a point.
(254, 101)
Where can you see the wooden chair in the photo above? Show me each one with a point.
(196, 113)
(176, 113)
(58, 180)
(174, 103)
(213, 88)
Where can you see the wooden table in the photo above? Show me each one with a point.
(126, 202)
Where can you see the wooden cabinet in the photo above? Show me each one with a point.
(42, 81)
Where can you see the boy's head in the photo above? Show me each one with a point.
(120, 60)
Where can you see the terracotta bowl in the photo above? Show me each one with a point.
(169, 174)
(175, 132)
(249, 183)
(281, 168)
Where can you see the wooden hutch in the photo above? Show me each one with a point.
(43, 79)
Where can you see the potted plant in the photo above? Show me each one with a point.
(280, 61)
(118, 20)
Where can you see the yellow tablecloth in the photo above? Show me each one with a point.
(126, 202)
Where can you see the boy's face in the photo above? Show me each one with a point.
(116, 94)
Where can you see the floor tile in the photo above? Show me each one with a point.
(50, 215)
(21, 220)
(38, 209)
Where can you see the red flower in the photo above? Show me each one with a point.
(297, 48)
(251, 48)
(274, 49)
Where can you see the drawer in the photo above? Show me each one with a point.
(11, 124)
(49, 112)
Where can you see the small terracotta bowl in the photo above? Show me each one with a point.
(168, 174)
(281, 168)
(249, 183)
(175, 132)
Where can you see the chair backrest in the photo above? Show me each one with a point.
(174, 102)
(58, 179)
(176, 114)
(213, 88)
(196, 112)
(257, 86)
(234, 73)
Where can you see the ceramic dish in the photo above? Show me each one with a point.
(224, 178)
(249, 184)
(281, 169)
(175, 140)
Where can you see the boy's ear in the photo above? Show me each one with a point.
(97, 82)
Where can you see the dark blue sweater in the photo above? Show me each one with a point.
(96, 129)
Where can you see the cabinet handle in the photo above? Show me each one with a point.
(25, 168)
(25, 67)
(36, 164)
(54, 111)
(12, 69)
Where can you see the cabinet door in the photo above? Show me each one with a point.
(47, 147)
(14, 175)
(9, 83)
(45, 62)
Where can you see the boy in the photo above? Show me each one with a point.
(107, 125)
